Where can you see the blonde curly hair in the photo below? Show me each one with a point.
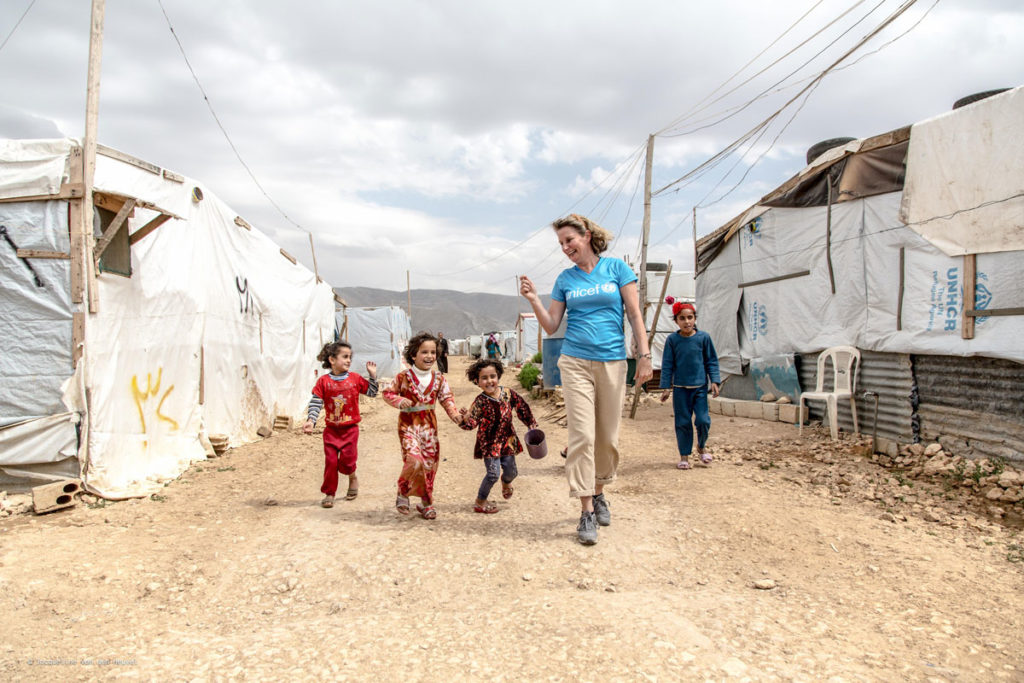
(599, 237)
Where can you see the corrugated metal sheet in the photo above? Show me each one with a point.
(887, 374)
(975, 405)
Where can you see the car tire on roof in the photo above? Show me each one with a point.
(819, 148)
(977, 97)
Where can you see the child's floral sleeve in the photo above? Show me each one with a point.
(522, 409)
(472, 419)
(392, 395)
(447, 401)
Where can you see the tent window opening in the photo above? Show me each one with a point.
(117, 256)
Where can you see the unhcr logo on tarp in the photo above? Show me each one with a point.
(947, 299)
(752, 232)
(758, 320)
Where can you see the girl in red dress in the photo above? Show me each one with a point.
(339, 393)
(415, 392)
(496, 440)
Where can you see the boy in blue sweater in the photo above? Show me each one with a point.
(688, 363)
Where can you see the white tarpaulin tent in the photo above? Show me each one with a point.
(377, 334)
(766, 280)
(209, 329)
(527, 334)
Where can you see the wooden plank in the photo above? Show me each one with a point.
(173, 177)
(899, 295)
(984, 313)
(77, 337)
(75, 225)
(112, 153)
(765, 281)
(242, 223)
(67, 191)
(970, 283)
(148, 228)
(288, 256)
(107, 201)
(312, 250)
(828, 235)
(89, 145)
(40, 253)
(115, 225)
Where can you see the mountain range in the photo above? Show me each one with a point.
(457, 314)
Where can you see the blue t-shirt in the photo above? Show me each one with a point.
(593, 304)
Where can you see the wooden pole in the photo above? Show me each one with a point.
(695, 242)
(312, 250)
(970, 283)
(92, 105)
(647, 223)
(637, 388)
(828, 237)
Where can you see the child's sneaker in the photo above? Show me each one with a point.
(601, 512)
(327, 502)
(586, 531)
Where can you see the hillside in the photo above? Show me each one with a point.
(457, 314)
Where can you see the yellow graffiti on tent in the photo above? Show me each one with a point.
(151, 391)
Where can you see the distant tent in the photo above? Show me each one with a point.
(376, 334)
(190, 322)
(527, 337)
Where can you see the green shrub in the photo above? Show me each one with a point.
(537, 358)
(528, 375)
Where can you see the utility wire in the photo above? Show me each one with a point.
(17, 24)
(220, 125)
(732, 146)
(701, 106)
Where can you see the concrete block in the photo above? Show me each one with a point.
(788, 413)
(714, 406)
(55, 496)
(770, 412)
(728, 407)
(749, 409)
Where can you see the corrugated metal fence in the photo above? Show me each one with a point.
(887, 374)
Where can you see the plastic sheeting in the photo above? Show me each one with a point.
(527, 334)
(209, 304)
(963, 190)
(802, 315)
(44, 440)
(378, 334)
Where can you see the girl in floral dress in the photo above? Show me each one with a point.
(496, 440)
(415, 392)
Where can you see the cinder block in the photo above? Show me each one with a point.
(714, 406)
(770, 412)
(749, 409)
(60, 494)
(788, 413)
(727, 406)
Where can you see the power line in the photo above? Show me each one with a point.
(17, 24)
(220, 125)
(746, 136)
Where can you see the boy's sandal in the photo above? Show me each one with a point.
(327, 502)
(565, 452)
(683, 465)
(402, 505)
(351, 494)
(705, 458)
(427, 511)
(506, 492)
(486, 508)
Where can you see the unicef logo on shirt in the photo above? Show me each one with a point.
(608, 287)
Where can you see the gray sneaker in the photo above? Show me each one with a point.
(601, 511)
(587, 529)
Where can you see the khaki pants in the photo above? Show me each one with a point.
(594, 391)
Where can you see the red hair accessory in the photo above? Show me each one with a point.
(680, 305)
(670, 300)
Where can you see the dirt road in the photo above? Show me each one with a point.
(234, 572)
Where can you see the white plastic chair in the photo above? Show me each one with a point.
(845, 362)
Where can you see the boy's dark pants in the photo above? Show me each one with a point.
(495, 466)
(691, 404)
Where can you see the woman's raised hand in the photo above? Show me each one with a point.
(526, 287)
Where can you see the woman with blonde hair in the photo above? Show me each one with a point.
(596, 293)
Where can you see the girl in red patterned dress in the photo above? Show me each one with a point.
(414, 392)
(496, 441)
(339, 392)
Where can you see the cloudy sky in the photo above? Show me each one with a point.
(442, 137)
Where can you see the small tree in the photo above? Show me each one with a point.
(528, 375)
